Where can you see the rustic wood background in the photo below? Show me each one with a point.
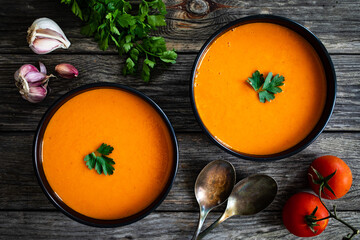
(25, 212)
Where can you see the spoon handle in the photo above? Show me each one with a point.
(202, 216)
(223, 217)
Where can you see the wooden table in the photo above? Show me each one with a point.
(26, 213)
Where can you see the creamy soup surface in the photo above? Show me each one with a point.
(143, 153)
(229, 107)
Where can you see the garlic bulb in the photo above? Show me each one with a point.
(66, 70)
(31, 83)
(44, 36)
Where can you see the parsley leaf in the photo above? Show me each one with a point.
(128, 28)
(149, 63)
(256, 81)
(126, 20)
(275, 83)
(76, 10)
(169, 56)
(100, 161)
(266, 88)
(266, 96)
(156, 20)
(90, 160)
(105, 149)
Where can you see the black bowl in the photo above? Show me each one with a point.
(329, 73)
(58, 203)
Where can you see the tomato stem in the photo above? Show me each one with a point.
(323, 181)
(334, 215)
(321, 219)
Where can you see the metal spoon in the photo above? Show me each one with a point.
(212, 187)
(249, 196)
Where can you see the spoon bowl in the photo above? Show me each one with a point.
(212, 187)
(249, 196)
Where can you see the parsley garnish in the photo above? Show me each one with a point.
(100, 161)
(267, 88)
(117, 22)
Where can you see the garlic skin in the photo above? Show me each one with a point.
(44, 36)
(31, 83)
(66, 70)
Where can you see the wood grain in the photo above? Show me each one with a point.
(19, 189)
(334, 22)
(159, 225)
(25, 212)
(169, 88)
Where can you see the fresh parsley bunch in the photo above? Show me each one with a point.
(116, 21)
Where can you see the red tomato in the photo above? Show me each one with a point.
(340, 183)
(299, 206)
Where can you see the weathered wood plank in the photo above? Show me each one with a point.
(19, 189)
(25, 212)
(54, 225)
(169, 88)
(334, 22)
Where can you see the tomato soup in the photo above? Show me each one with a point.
(143, 153)
(230, 108)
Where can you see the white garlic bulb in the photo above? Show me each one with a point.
(44, 36)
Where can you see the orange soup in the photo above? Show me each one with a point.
(230, 108)
(143, 153)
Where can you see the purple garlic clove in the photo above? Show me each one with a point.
(35, 94)
(66, 70)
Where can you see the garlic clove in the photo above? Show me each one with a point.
(66, 70)
(35, 94)
(42, 68)
(45, 45)
(44, 36)
(33, 77)
(23, 70)
(34, 84)
(49, 32)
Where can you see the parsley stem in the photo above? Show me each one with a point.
(140, 48)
